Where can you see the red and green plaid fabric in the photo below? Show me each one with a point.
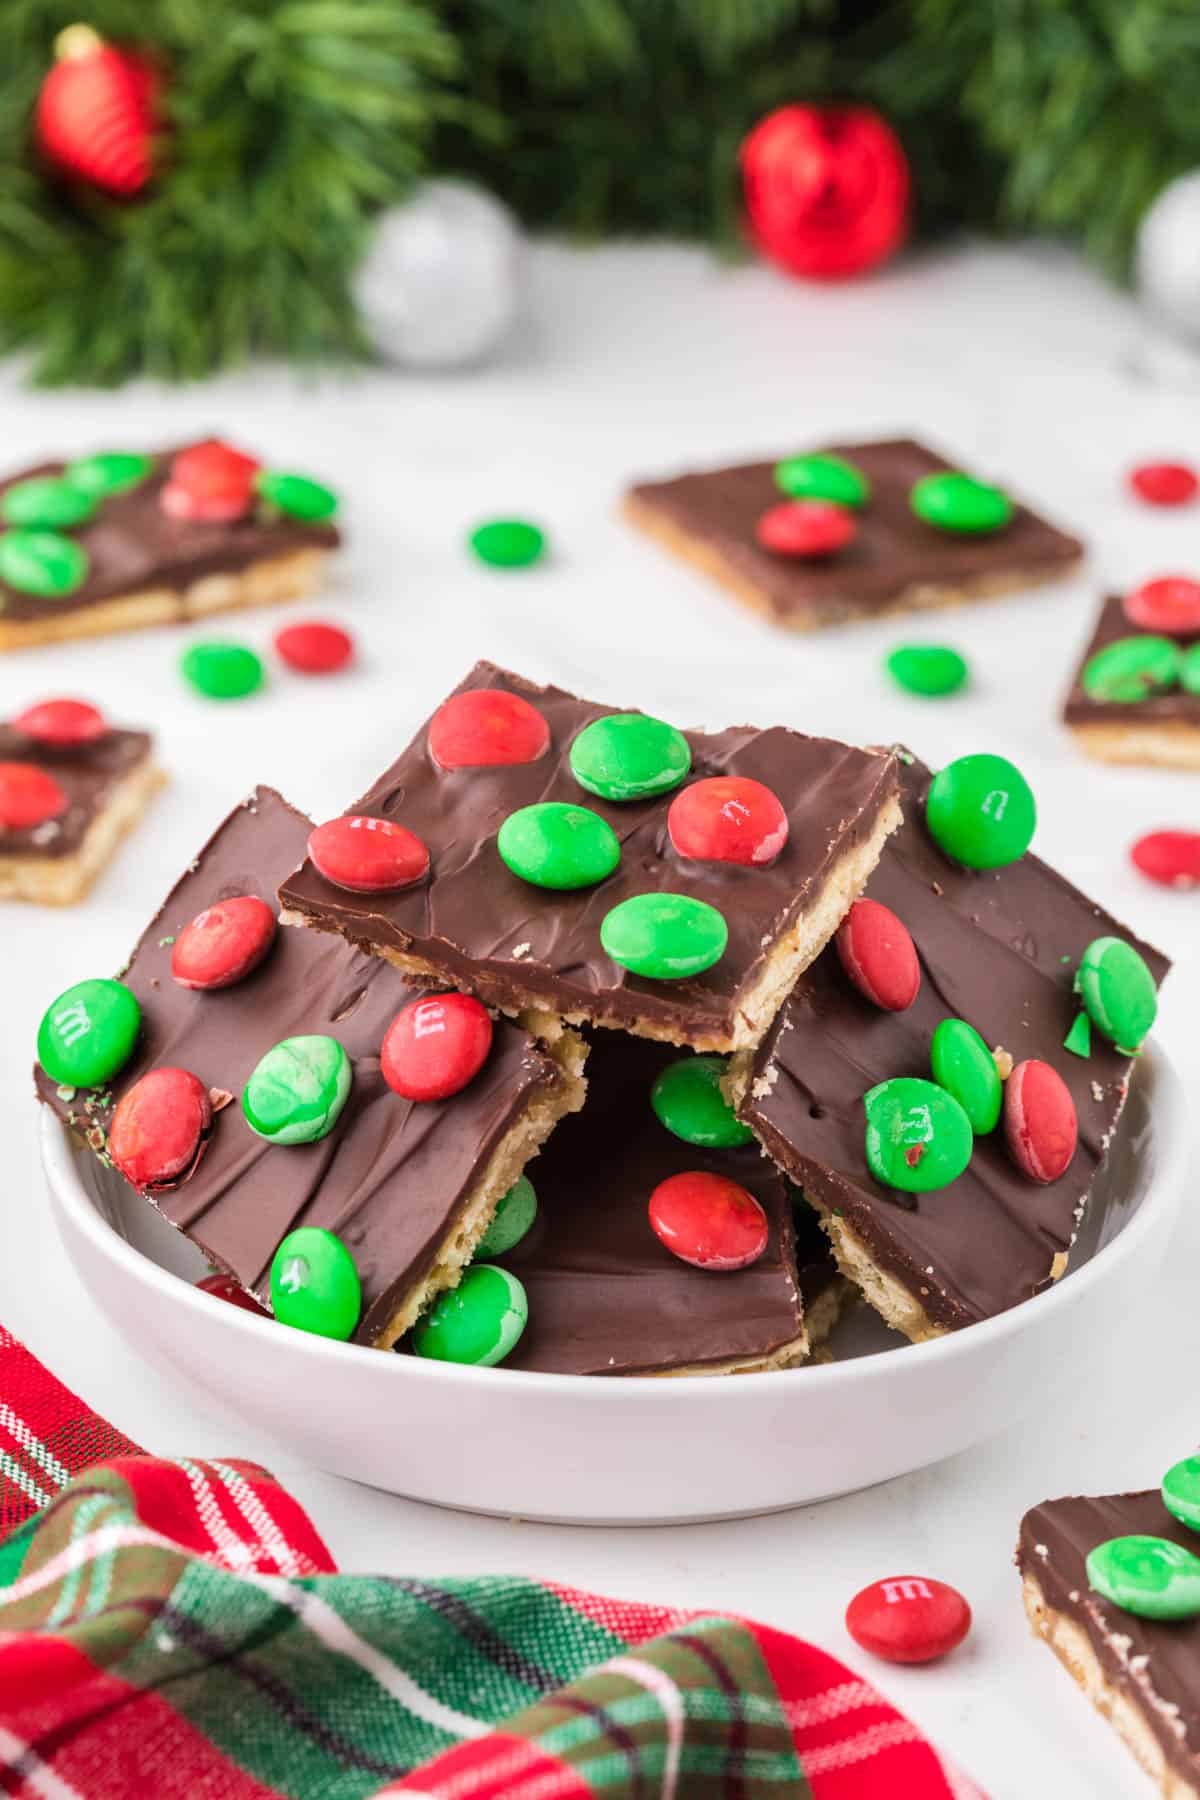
(178, 1630)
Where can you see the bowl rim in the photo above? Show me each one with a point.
(1162, 1197)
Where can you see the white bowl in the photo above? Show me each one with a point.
(633, 1451)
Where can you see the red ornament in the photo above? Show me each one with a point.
(827, 189)
(1171, 858)
(486, 728)
(28, 796)
(878, 954)
(63, 723)
(434, 1047)
(708, 1221)
(211, 483)
(223, 943)
(806, 528)
(224, 1287)
(368, 856)
(160, 1127)
(908, 1619)
(1171, 603)
(314, 648)
(1040, 1122)
(1164, 484)
(728, 818)
(95, 117)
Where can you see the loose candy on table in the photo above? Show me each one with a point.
(44, 563)
(512, 1220)
(822, 478)
(296, 1092)
(435, 1046)
(314, 648)
(109, 472)
(29, 796)
(87, 1035)
(665, 937)
(708, 1221)
(1118, 991)
(47, 503)
(918, 1137)
(296, 495)
(479, 1322)
(1164, 483)
(64, 724)
(224, 943)
(508, 543)
(908, 1619)
(160, 1127)
(629, 756)
(1168, 604)
(553, 844)
(955, 502)
(221, 670)
(806, 528)
(1170, 858)
(876, 951)
(1150, 1576)
(315, 1285)
(966, 1068)
(687, 1099)
(366, 855)
(980, 810)
(487, 728)
(1132, 669)
(1041, 1125)
(932, 670)
(730, 819)
(224, 1287)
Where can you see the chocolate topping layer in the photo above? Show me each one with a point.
(998, 948)
(1157, 1664)
(392, 1177)
(893, 551)
(605, 1296)
(478, 925)
(87, 774)
(1174, 707)
(132, 544)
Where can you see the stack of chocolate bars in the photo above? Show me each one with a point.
(675, 995)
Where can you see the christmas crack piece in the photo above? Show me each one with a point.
(569, 863)
(1112, 1585)
(245, 1079)
(851, 533)
(918, 1085)
(1136, 694)
(121, 539)
(71, 787)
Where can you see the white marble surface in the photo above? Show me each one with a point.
(1020, 364)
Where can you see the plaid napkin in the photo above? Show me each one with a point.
(177, 1630)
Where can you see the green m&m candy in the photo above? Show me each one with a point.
(1149, 1576)
(480, 1321)
(555, 845)
(1181, 1491)
(508, 543)
(298, 1090)
(315, 1285)
(666, 937)
(88, 1033)
(928, 669)
(918, 1136)
(966, 1068)
(1189, 670)
(1118, 991)
(296, 495)
(222, 671)
(822, 478)
(46, 502)
(687, 1099)
(109, 472)
(44, 563)
(981, 811)
(955, 502)
(511, 1221)
(629, 756)
(1132, 669)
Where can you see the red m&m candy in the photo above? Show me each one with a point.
(728, 818)
(224, 1287)
(708, 1221)
(1040, 1121)
(1170, 603)
(908, 1619)
(879, 956)
(368, 856)
(62, 723)
(435, 1046)
(211, 482)
(806, 528)
(1164, 483)
(487, 727)
(28, 796)
(1172, 858)
(223, 943)
(160, 1127)
(314, 648)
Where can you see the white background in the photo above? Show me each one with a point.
(1021, 366)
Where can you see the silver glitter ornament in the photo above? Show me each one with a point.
(1168, 256)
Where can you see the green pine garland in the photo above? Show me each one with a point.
(292, 122)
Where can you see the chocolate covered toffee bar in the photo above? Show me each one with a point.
(1135, 697)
